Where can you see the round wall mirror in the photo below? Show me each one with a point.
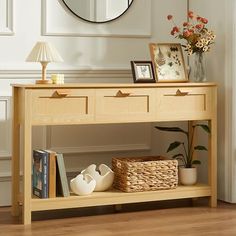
(98, 11)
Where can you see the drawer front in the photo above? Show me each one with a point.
(120, 105)
(56, 106)
(184, 103)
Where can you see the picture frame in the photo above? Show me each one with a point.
(168, 62)
(143, 72)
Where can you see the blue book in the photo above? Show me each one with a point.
(40, 173)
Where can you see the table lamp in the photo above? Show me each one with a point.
(44, 53)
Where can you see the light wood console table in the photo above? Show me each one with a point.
(101, 104)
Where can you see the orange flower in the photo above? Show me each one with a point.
(204, 20)
(199, 26)
(190, 14)
(199, 18)
(186, 24)
(176, 29)
(187, 33)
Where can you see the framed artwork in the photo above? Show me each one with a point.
(168, 62)
(143, 72)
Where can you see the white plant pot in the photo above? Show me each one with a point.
(188, 176)
(83, 184)
(104, 177)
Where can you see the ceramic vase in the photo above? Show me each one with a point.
(104, 177)
(188, 176)
(83, 184)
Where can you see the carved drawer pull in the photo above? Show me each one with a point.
(121, 94)
(179, 93)
(62, 93)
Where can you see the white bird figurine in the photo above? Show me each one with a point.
(104, 177)
(83, 184)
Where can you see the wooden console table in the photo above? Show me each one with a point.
(101, 104)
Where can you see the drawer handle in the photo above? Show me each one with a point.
(121, 94)
(62, 93)
(179, 93)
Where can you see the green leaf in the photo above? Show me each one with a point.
(171, 129)
(199, 147)
(196, 162)
(173, 146)
(178, 155)
(204, 127)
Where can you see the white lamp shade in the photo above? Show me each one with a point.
(44, 52)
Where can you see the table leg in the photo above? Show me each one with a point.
(212, 163)
(15, 169)
(27, 169)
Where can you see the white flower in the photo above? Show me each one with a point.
(202, 40)
(204, 30)
(199, 44)
(210, 33)
(190, 52)
(205, 48)
(188, 46)
(213, 37)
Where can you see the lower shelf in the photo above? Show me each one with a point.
(116, 197)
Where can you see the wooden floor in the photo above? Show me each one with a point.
(135, 219)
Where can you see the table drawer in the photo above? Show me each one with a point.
(62, 105)
(184, 103)
(125, 104)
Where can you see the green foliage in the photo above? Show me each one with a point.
(187, 156)
(171, 129)
(173, 146)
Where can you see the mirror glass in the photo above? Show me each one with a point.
(98, 11)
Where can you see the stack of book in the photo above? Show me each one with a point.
(49, 174)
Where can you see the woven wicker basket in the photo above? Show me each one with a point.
(144, 174)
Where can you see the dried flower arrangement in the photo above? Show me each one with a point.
(198, 36)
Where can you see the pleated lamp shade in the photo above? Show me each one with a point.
(44, 53)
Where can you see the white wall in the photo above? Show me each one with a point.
(111, 55)
(85, 52)
(220, 69)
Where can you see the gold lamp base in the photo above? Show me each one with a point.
(43, 81)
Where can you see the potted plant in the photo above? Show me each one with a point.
(187, 171)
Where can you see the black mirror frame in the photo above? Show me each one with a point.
(98, 22)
